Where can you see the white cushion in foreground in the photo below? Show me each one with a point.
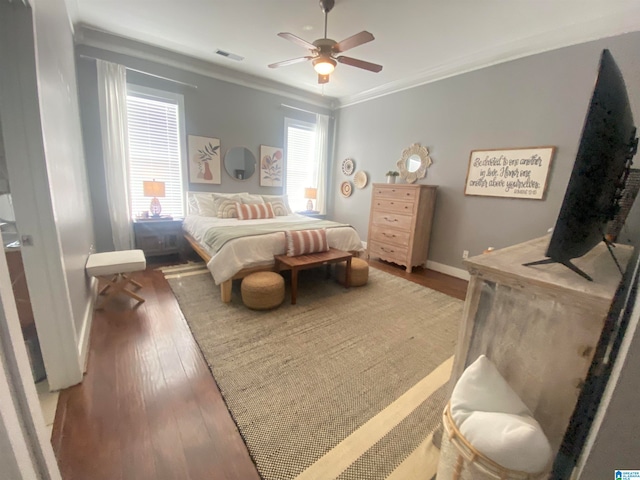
(496, 422)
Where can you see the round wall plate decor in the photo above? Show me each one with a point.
(346, 189)
(360, 179)
(348, 166)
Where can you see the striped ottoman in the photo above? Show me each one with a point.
(262, 290)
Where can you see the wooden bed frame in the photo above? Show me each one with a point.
(225, 287)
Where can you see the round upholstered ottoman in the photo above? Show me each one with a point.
(262, 290)
(359, 272)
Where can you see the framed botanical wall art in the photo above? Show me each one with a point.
(271, 166)
(204, 160)
(513, 173)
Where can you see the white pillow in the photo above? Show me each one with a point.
(493, 418)
(513, 441)
(481, 387)
(249, 199)
(192, 204)
(205, 204)
(282, 198)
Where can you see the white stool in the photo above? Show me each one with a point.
(116, 265)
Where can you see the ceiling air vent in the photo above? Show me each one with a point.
(231, 56)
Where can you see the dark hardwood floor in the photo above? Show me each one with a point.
(452, 286)
(148, 407)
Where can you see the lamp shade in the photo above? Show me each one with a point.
(310, 193)
(153, 189)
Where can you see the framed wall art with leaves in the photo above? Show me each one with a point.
(204, 160)
(271, 166)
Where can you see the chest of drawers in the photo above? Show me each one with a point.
(400, 223)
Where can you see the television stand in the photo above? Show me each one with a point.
(575, 269)
(567, 264)
(539, 326)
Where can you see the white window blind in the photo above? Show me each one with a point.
(154, 151)
(302, 165)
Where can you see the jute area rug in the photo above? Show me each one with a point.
(320, 389)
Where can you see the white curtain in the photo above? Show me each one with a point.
(322, 150)
(112, 92)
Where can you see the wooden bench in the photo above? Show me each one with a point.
(303, 262)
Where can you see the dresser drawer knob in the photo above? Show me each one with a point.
(389, 235)
(388, 250)
(390, 219)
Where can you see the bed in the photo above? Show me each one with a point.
(234, 248)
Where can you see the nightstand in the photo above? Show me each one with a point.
(158, 237)
(313, 214)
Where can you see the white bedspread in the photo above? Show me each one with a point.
(257, 250)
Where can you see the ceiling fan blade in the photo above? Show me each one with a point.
(298, 40)
(323, 79)
(353, 41)
(284, 63)
(354, 62)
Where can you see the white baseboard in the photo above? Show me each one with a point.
(85, 331)
(449, 270)
(442, 268)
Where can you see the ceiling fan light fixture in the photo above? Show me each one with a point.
(324, 65)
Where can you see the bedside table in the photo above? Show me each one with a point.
(312, 214)
(158, 237)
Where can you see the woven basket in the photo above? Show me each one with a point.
(359, 272)
(459, 460)
(262, 290)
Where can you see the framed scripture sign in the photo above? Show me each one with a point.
(514, 173)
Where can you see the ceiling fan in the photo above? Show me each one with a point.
(324, 50)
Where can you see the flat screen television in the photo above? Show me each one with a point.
(607, 145)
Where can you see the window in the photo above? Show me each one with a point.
(302, 163)
(155, 128)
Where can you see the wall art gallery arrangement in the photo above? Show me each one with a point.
(514, 173)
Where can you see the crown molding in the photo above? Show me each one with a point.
(88, 36)
(615, 24)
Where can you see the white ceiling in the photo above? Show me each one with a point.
(416, 40)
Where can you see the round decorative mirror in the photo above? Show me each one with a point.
(414, 163)
(240, 163)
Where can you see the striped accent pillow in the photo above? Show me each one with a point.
(301, 242)
(254, 211)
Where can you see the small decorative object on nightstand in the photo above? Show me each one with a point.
(154, 189)
(311, 194)
(161, 236)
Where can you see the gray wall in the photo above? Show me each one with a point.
(237, 115)
(534, 101)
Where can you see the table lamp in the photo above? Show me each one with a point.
(310, 193)
(154, 189)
